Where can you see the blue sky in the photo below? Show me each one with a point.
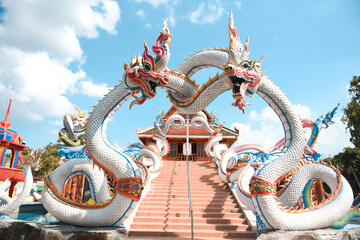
(58, 54)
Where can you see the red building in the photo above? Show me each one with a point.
(197, 137)
(11, 144)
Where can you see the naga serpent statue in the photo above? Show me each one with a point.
(9, 205)
(117, 182)
(73, 123)
(246, 79)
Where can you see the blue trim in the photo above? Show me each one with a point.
(16, 159)
(122, 215)
(7, 130)
(49, 178)
(199, 66)
(174, 90)
(262, 212)
(88, 177)
(48, 188)
(197, 95)
(102, 124)
(3, 157)
(63, 202)
(241, 191)
(282, 125)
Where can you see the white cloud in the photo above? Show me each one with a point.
(238, 4)
(171, 17)
(38, 42)
(266, 134)
(37, 82)
(155, 3)
(54, 131)
(169, 6)
(266, 114)
(208, 12)
(303, 111)
(141, 13)
(264, 128)
(56, 122)
(92, 89)
(54, 26)
(334, 139)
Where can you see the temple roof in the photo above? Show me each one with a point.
(8, 137)
(193, 132)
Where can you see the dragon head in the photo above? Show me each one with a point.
(33, 158)
(79, 120)
(244, 74)
(145, 73)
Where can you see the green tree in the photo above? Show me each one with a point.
(352, 112)
(48, 162)
(81, 137)
(349, 164)
(349, 159)
(26, 152)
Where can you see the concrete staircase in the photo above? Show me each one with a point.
(164, 213)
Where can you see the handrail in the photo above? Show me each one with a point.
(191, 212)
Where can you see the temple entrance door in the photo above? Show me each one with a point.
(180, 156)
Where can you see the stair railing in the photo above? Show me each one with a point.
(191, 212)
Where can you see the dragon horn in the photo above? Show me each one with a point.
(261, 59)
(161, 48)
(246, 52)
(235, 46)
(125, 65)
(231, 26)
(146, 57)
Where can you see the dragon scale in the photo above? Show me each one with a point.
(110, 211)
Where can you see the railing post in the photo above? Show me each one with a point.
(191, 215)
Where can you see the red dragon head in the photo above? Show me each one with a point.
(244, 75)
(146, 73)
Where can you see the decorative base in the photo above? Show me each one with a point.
(312, 234)
(15, 229)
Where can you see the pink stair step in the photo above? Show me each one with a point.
(201, 220)
(164, 212)
(187, 233)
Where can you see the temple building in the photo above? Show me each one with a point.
(77, 188)
(198, 137)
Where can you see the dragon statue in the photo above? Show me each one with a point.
(257, 153)
(73, 123)
(119, 183)
(9, 205)
(246, 79)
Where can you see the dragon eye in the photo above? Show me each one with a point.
(147, 66)
(246, 65)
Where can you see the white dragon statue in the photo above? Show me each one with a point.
(117, 182)
(246, 79)
(9, 205)
(73, 123)
(126, 178)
